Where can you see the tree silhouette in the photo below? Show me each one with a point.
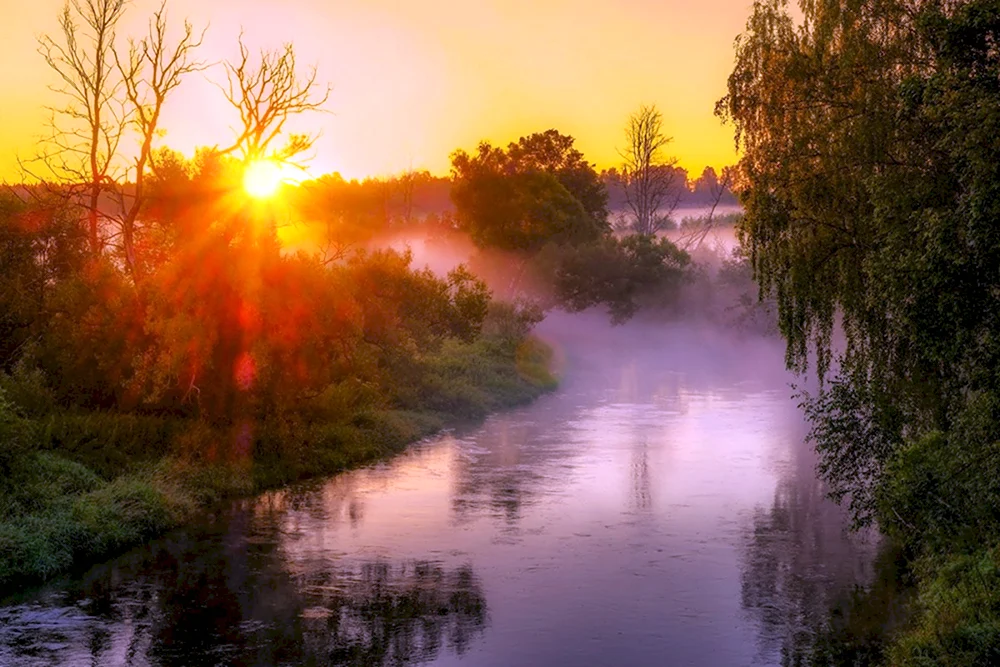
(266, 94)
(109, 94)
(86, 131)
(152, 70)
(653, 187)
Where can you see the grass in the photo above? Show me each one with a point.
(79, 488)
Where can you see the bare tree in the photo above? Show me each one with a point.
(87, 130)
(266, 95)
(152, 70)
(652, 183)
(107, 97)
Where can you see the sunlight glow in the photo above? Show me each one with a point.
(262, 178)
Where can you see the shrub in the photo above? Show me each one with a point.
(16, 439)
(958, 614)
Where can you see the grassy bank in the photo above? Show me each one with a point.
(79, 487)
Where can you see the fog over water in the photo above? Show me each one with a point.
(660, 508)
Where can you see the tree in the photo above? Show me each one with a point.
(151, 72)
(107, 96)
(540, 190)
(623, 274)
(555, 153)
(266, 95)
(87, 131)
(652, 185)
(870, 184)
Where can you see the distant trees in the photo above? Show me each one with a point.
(336, 214)
(695, 192)
(539, 190)
(711, 189)
(652, 185)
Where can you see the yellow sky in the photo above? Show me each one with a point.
(415, 79)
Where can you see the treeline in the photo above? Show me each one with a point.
(707, 189)
(870, 178)
(537, 213)
(377, 205)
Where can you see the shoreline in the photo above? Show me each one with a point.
(84, 515)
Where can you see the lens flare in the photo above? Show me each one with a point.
(262, 178)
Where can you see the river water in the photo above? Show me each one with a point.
(659, 509)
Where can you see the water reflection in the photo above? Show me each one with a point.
(236, 602)
(801, 565)
(659, 509)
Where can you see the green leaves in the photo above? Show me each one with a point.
(870, 181)
(540, 190)
(621, 274)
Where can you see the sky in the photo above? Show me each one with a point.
(414, 80)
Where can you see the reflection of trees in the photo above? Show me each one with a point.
(799, 564)
(641, 487)
(233, 598)
(391, 615)
(509, 465)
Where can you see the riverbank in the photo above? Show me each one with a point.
(78, 488)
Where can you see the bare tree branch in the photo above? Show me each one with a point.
(152, 70)
(697, 236)
(87, 131)
(652, 182)
(266, 94)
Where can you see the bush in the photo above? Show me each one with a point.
(28, 390)
(958, 614)
(16, 439)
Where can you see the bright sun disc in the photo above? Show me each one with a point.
(262, 178)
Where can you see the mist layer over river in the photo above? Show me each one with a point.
(659, 509)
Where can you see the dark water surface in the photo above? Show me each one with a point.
(659, 509)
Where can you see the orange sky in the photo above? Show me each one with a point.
(415, 79)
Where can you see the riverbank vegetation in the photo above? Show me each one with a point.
(229, 367)
(871, 181)
(164, 347)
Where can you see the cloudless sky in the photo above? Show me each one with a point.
(415, 79)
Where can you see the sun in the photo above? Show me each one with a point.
(262, 178)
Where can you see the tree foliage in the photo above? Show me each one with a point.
(871, 191)
(538, 191)
(622, 274)
(871, 181)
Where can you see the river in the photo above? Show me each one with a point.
(660, 508)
